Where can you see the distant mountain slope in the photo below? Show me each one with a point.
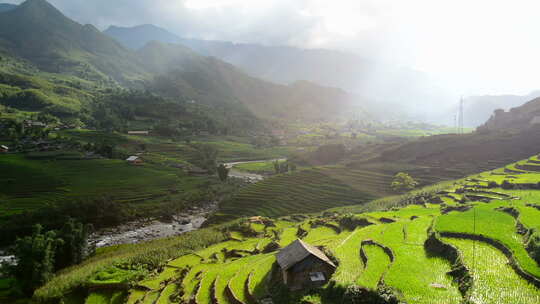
(478, 109)
(4, 7)
(393, 92)
(138, 36)
(505, 137)
(37, 31)
(519, 118)
(211, 80)
(40, 34)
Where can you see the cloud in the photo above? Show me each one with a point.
(472, 47)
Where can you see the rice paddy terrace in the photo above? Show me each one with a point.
(476, 241)
(316, 189)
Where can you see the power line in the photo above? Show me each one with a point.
(460, 116)
(474, 241)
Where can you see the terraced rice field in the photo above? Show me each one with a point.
(310, 190)
(375, 267)
(383, 250)
(494, 280)
(60, 180)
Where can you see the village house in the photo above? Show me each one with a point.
(138, 132)
(33, 123)
(4, 149)
(198, 171)
(304, 266)
(134, 160)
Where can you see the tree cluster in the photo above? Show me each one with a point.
(39, 255)
(403, 182)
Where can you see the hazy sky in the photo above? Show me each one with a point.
(469, 46)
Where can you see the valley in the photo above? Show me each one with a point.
(428, 235)
(138, 166)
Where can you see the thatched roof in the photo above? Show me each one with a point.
(296, 252)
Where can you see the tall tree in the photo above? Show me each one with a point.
(223, 172)
(35, 257)
(74, 246)
(403, 182)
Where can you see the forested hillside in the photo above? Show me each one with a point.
(37, 33)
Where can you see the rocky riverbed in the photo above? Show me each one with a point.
(247, 176)
(146, 230)
(141, 230)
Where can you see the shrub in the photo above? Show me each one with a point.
(507, 185)
(403, 182)
(355, 294)
(35, 257)
(223, 172)
(492, 185)
(31, 99)
(271, 247)
(351, 222)
(533, 245)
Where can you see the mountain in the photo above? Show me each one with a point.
(212, 81)
(138, 36)
(505, 137)
(392, 91)
(4, 7)
(478, 109)
(38, 32)
(518, 118)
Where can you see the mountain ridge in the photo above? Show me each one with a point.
(4, 7)
(386, 86)
(36, 31)
(39, 32)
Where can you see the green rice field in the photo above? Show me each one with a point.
(383, 249)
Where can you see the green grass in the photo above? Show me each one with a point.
(413, 271)
(416, 276)
(304, 191)
(348, 253)
(265, 167)
(61, 180)
(105, 297)
(377, 264)
(314, 190)
(492, 224)
(238, 281)
(494, 280)
(164, 297)
(258, 277)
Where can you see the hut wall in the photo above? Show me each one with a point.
(298, 276)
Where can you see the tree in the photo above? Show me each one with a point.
(276, 166)
(223, 172)
(281, 167)
(403, 182)
(206, 156)
(292, 166)
(35, 257)
(72, 250)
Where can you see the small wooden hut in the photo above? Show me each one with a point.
(134, 160)
(304, 266)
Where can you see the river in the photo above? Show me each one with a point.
(250, 177)
(138, 231)
(145, 230)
